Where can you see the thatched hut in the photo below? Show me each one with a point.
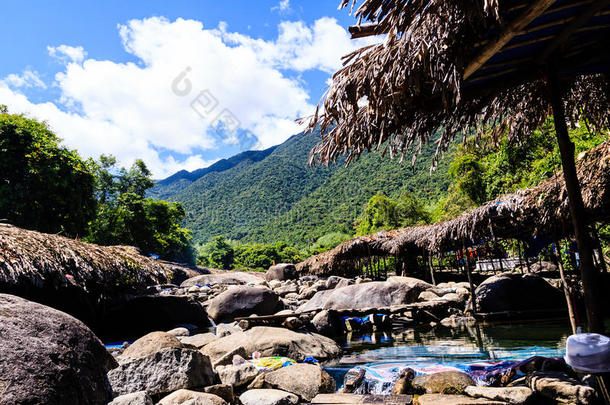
(456, 67)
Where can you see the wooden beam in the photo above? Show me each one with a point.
(572, 27)
(364, 30)
(512, 29)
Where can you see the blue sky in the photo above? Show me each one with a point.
(179, 84)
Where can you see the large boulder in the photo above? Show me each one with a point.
(561, 388)
(167, 370)
(446, 382)
(191, 398)
(243, 301)
(228, 278)
(517, 292)
(304, 380)
(510, 395)
(268, 397)
(145, 314)
(49, 357)
(149, 344)
(136, 398)
(443, 399)
(271, 341)
(282, 271)
(377, 294)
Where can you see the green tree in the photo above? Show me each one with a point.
(43, 185)
(218, 254)
(384, 213)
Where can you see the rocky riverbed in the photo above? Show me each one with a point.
(269, 339)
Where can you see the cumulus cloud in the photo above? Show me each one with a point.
(65, 53)
(283, 6)
(188, 82)
(27, 79)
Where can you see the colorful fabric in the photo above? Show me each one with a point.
(272, 363)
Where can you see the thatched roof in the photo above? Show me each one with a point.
(452, 67)
(540, 212)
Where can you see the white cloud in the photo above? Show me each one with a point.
(186, 77)
(66, 53)
(283, 6)
(27, 79)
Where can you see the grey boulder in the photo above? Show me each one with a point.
(188, 397)
(304, 380)
(243, 301)
(282, 271)
(227, 278)
(268, 397)
(136, 398)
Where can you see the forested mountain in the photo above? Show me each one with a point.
(280, 197)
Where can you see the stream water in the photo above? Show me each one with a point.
(449, 347)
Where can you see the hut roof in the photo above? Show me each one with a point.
(540, 212)
(452, 67)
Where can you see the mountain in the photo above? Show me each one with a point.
(273, 195)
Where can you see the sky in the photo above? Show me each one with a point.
(178, 84)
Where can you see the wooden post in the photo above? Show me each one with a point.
(566, 289)
(469, 273)
(589, 274)
(598, 244)
(431, 269)
(519, 252)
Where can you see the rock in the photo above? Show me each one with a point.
(179, 332)
(334, 281)
(271, 341)
(225, 329)
(287, 289)
(510, 395)
(165, 371)
(376, 294)
(560, 387)
(304, 380)
(446, 382)
(222, 390)
(282, 271)
(136, 398)
(454, 321)
(273, 284)
(327, 323)
(403, 382)
(427, 296)
(149, 344)
(198, 340)
(228, 278)
(516, 292)
(442, 399)
(228, 357)
(268, 397)
(307, 293)
(453, 297)
(237, 376)
(49, 357)
(243, 301)
(188, 397)
(146, 314)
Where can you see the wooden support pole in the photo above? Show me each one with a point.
(469, 273)
(598, 244)
(589, 274)
(519, 252)
(566, 288)
(431, 269)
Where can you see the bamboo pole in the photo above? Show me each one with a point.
(589, 274)
(598, 244)
(469, 273)
(566, 290)
(431, 269)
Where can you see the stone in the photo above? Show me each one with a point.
(446, 382)
(199, 340)
(427, 296)
(136, 398)
(517, 292)
(179, 332)
(327, 323)
(304, 380)
(287, 289)
(243, 301)
(282, 271)
(162, 372)
(307, 293)
(334, 281)
(227, 358)
(237, 376)
(224, 391)
(443, 399)
(510, 395)
(49, 357)
(273, 284)
(268, 397)
(188, 397)
(560, 387)
(227, 278)
(225, 329)
(455, 321)
(270, 341)
(403, 382)
(149, 344)
(375, 294)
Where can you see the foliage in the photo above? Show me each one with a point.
(43, 185)
(126, 216)
(217, 253)
(383, 213)
(328, 242)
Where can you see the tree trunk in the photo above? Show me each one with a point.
(589, 274)
(566, 288)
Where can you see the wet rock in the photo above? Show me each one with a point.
(443, 399)
(353, 380)
(49, 357)
(454, 321)
(446, 382)
(510, 395)
(282, 271)
(403, 384)
(179, 332)
(188, 397)
(223, 391)
(271, 341)
(268, 397)
(560, 387)
(427, 296)
(517, 292)
(136, 398)
(327, 323)
(149, 344)
(304, 380)
(237, 376)
(199, 340)
(165, 371)
(228, 278)
(243, 301)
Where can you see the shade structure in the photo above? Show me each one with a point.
(447, 68)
